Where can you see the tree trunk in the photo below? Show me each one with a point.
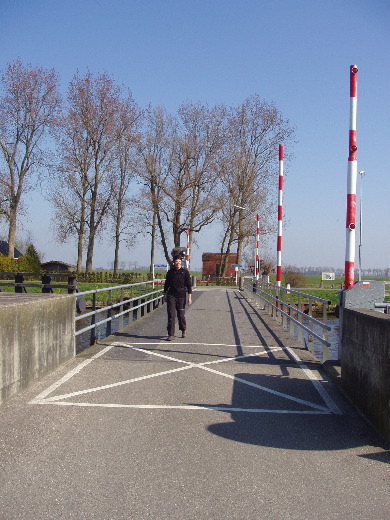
(159, 222)
(117, 240)
(12, 231)
(91, 237)
(79, 253)
(80, 238)
(240, 239)
(225, 254)
(176, 227)
(91, 243)
(152, 244)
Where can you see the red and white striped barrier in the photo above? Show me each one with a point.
(257, 258)
(188, 252)
(280, 218)
(351, 185)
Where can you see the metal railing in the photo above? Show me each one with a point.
(288, 306)
(131, 298)
(384, 305)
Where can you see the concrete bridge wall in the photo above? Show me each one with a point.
(36, 336)
(365, 364)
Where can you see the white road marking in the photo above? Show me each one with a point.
(187, 407)
(269, 390)
(69, 375)
(317, 384)
(43, 398)
(119, 383)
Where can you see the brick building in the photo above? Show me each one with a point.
(211, 263)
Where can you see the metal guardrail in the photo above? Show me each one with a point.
(384, 305)
(283, 303)
(141, 296)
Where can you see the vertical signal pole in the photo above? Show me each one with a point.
(280, 218)
(257, 259)
(188, 249)
(351, 185)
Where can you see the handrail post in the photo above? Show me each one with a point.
(325, 335)
(291, 304)
(300, 330)
(109, 314)
(311, 347)
(93, 335)
(120, 325)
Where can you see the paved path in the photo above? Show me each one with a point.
(232, 422)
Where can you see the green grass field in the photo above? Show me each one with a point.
(312, 284)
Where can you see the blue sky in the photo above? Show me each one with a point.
(296, 53)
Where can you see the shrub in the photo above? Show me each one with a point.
(33, 259)
(293, 276)
(21, 265)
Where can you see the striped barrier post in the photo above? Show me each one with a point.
(280, 218)
(257, 259)
(351, 185)
(188, 252)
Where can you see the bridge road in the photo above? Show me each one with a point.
(233, 422)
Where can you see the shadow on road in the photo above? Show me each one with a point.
(289, 424)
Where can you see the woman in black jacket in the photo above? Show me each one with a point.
(177, 286)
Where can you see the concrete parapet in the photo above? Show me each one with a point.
(37, 335)
(365, 364)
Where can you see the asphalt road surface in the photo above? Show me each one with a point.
(236, 421)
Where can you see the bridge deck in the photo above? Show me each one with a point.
(235, 421)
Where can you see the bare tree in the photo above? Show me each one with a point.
(123, 172)
(69, 191)
(248, 169)
(155, 164)
(29, 106)
(89, 146)
(200, 144)
(184, 192)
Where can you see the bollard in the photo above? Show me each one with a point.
(19, 278)
(46, 282)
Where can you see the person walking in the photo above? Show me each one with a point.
(177, 286)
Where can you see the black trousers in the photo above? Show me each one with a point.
(176, 306)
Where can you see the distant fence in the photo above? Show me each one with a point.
(44, 281)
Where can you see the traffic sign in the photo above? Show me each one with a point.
(236, 265)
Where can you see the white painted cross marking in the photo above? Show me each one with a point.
(331, 407)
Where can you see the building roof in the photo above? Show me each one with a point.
(4, 249)
(58, 263)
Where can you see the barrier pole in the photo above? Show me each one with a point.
(188, 252)
(280, 218)
(257, 259)
(351, 185)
